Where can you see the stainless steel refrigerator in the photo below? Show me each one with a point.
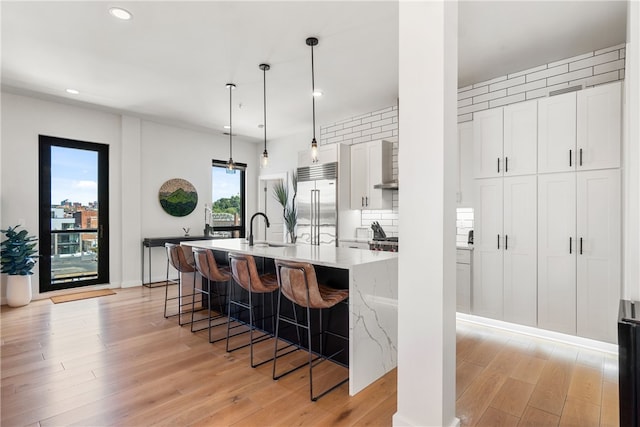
(316, 202)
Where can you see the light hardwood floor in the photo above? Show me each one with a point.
(115, 360)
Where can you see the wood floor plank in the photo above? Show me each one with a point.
(513, 396)
(493, 417)
(551, 391)
(534, 417)
(579, 413)
(466, 373)
(609, 409)
(528, 369)
(477, 397)
(586, 384)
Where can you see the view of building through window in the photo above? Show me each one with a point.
(74, 206)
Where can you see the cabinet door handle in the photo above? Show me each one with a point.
(570, 157)
(506, 164)
(506, 240)
(498, 164)
(366, 200)
(581, 157)
(581, 246)
(362, 202)
(498, 241)
(570, 243)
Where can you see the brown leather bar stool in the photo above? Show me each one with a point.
(299, 284)
(245, 273)
(208, 268)
(177, 259)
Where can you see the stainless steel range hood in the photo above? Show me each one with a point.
(391, 185)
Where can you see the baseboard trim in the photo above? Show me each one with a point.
(540, 333)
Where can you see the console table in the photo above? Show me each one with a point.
(158, 242)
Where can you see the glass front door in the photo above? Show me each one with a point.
(74, 213)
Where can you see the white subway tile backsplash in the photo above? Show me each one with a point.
(537, 93)
(623, 53)
(574, 75)
(602, 78)
(382, 135)
(364, 138)
(608, 66)
(560, 69)
(518, 97)
(507, 83)
(393, 113)
(473, 92)
(490, 82)
(594, 60)
(464, 89)
(608, 49)
(465, 117)
(361, 127)
(526, 87)
(371, 131)
(572, 59)
(465, 102)
(527, 71)
(371, 118)
(473, 108)
(489, 96)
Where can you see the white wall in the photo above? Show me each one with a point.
(142, 155)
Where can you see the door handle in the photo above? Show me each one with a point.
(581, 157)
(506, 164)
(570, 157)
(581, 246)
(570, 243)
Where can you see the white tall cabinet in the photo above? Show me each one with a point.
(504, 273)
(547, 205)
(371, 164)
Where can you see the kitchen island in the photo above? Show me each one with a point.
(372, 280)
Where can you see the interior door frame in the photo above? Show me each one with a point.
(45, 143)
(262, 179)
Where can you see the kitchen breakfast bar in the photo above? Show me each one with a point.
(372, 280)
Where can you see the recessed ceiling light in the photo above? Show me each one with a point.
(120, 13)
(317, 93)
(72, 91)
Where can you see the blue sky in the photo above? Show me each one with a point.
(224, 185)
(74, 175)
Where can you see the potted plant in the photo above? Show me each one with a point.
(289, 211)
(18, 256)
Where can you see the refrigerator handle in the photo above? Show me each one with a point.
(317, 217)
(311, 212)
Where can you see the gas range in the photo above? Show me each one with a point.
(388, 244)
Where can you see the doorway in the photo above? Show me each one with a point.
(268, 204)
(74, 213)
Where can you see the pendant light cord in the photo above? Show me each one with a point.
(230, 124)
(313, 98)
(264, 81)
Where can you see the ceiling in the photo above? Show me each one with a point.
(172, 60)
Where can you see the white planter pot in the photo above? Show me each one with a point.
(18, 290)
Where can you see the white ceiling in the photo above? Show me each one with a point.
(172, 60)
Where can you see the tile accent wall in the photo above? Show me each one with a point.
(589, 69)
(379, 124)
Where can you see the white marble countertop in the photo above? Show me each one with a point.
(329, 256)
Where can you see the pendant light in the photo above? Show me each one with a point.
(312, 41)
(264, 161)
(230, 165)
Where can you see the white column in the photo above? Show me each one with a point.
(631, 156)
(131, 195)
(427, 170)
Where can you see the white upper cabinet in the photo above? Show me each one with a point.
(327, 153)
(371, 165)
(487, 143)
(557, 133)
(580, 130)
(599, 126)
(520, 138)
(505, 141)
(465, 165)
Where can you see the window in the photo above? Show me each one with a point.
(228, 200)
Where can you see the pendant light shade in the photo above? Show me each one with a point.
(230, 165)
(312, 41)
(264, 161)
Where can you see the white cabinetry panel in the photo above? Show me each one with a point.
(557, 133)
(465, 165)
(520, 237)
(487, 143)
(598, 227)
(520, 138)
(599, 126)
(557, 252)
(487, 295)
(370, 165)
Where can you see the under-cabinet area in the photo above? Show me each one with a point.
(547, 200)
